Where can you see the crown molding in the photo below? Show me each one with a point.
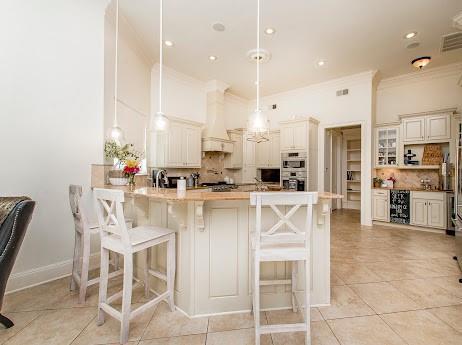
(418, 76)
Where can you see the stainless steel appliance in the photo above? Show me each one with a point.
(450, 214)
(458, 199)
(294, 161)
(294, 171)
(270, 175)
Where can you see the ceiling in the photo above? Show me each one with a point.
(351, 36)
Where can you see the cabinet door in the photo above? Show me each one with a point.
(414, 129)
(275, 151)
(234, 160)
(249, 152)
(436, 214)
(193, 146)
(287, 138)
(438, 127)
(300, 136)
(176, 143)
(419, 212)
(157, 149)
(262, 154)
(380, 208)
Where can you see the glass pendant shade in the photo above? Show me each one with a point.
(115, 133)
(258, 127)
(160, 122)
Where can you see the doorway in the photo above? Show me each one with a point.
(342, 163)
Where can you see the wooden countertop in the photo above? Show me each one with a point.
(197, 195)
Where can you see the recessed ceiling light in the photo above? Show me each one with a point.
(218, 27)
(410, 35)
(212, 58)
(270, 31)
(168, 43)
(321, 63)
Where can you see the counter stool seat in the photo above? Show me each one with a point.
(283, 242)
(116, 237)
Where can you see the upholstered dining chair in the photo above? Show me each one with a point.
(15, 215)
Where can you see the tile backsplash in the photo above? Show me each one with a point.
(212, 170)
(409, 178)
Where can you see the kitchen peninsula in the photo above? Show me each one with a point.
(213, 268)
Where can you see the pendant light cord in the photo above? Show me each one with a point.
(116, 62)
(161, 55)
(258, 55)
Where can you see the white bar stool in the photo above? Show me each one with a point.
(116, 237)
(83, 232)
(276, 244)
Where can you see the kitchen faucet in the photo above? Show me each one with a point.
(158, 177)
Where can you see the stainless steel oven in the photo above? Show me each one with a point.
(294, 161)
(295, 180)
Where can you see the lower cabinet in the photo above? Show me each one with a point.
(428, 209)
(381, 205)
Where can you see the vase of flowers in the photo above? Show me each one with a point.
(119, 154)
(132, 167)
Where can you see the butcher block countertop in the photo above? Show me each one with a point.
(197, 195)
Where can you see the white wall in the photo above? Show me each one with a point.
(182, 96)
(420, 91)
(51, 121)
(320, 101)
(134, 81)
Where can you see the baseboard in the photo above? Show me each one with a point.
(409, 227)
(23, 280)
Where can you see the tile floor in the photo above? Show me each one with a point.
(389, 287)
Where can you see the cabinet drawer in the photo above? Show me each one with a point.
(380, 192)
(429, 195)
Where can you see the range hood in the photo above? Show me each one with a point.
(214, 136)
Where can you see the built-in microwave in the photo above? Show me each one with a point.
(294, 160)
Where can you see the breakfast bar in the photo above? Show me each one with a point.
(213, 251)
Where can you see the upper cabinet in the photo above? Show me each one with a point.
(295, 133)
(235, 159)
(178, 147)
(268, 153)
(387, 142)
(429, 128)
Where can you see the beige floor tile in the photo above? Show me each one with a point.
(165, 324)
(20, 320)
(449, 283)
(365, 330)
(54, 327)
(345, 303)
(41, 297)
(320, 335)
(237, 337)
(335, 280)
(420, 327)
(229, 322)
(355, 273)
(109, 332)
(452, 315)
(288, 316)
(195, 339)
(384, 297)
(426, 293)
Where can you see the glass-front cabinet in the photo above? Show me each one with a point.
(387, 141)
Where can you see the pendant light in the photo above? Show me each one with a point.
(160, 121)
(258, 124)
(116, 132)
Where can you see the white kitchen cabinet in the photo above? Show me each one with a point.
(438, 127)
(428, 128)
(267, 154)
(275, 151)
(413, 129)
(178, 147)
(294, 135)
(386, 146)
(249, 168)
(234, 160)
(428, 209)
(380, 205)
(419, 212)
(436, 214)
